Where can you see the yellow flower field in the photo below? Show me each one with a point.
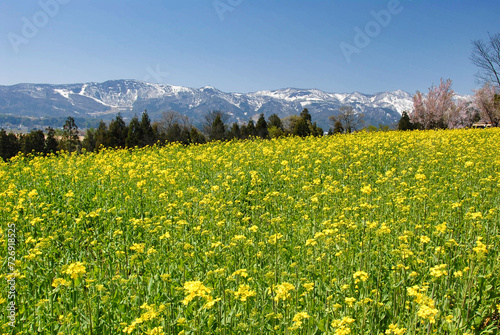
(371, 233)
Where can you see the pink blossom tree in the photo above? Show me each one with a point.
(487, 101)
(464, 116)
(437, 109)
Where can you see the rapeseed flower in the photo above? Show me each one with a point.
(439, 270)
(273, 239)
(60, 281)
(138, 247)
(360, 276)
(244, 292)
(394, 330)
(282, 291)
(75, 270)
(480, 249)
(195, 289)
(297, 320)
(342, 326)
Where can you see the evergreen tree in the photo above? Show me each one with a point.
(243, 131)
(134, 135)
(214, 125)
(261, 127)
(218, 130)
(306, 116)
(9, 145)
(275, 121)
(33, 143)
(117, 132)
(250, 129)
(159, 135)
(101, 136)
(476, 118)
(89, 142)
(196, 136)
(405, 122)
(302, 125)
(173, 127)
(13, 144)
(235, 132)
(51, 142)
(301, 128)
(148, 137)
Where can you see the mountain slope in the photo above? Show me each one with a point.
(129, 97)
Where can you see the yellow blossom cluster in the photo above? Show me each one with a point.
(195, 289)
(244, 292)
(75, 270)
(282, 291)
(427, 308)
(342, 326)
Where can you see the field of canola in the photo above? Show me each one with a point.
(371, 233)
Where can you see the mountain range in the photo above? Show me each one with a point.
(102, 101)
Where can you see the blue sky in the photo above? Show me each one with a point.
(245, 45)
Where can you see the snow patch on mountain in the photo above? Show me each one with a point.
(63, 92)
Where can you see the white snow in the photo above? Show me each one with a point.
(64, 93)
(82, 92)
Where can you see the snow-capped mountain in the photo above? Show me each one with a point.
(129, 97)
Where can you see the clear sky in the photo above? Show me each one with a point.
(246, 45)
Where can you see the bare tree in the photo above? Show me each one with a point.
(349, 119)
(487, 101)
(168, 119)
(486, 56)
(437, 109)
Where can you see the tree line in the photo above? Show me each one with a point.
(439, 110)
(172, 128)
(34, 142)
